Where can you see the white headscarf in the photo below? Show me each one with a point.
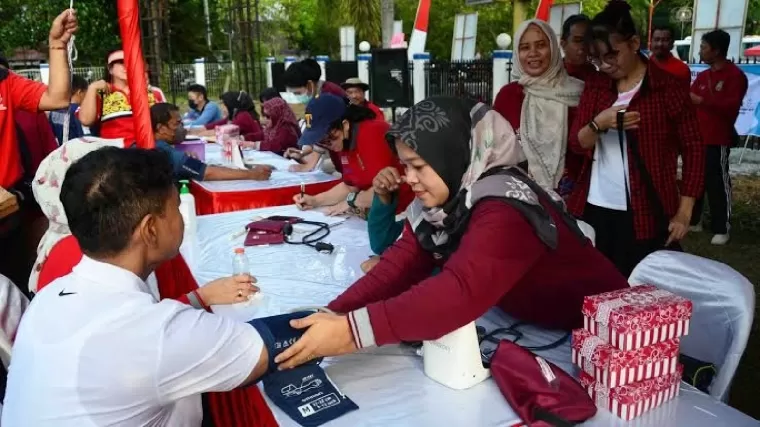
(544, 119)
(47, 191)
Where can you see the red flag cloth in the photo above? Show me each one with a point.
(129, 27)
(423, 15)
(543, 10)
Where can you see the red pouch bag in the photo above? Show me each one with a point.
(265, 232)
(539, 392)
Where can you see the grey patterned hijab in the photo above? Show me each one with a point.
(468, 145)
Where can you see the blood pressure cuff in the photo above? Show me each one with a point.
(278, 335)
(306, 394)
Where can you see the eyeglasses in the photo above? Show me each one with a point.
(610, 58)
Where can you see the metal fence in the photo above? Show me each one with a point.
(219, 78)
(471, 79)
(176, 78)
(30, 73)
(91, 74)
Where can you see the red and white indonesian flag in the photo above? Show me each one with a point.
(544, 9)
(419, 34)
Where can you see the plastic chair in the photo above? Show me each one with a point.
(13, 304)
(724, 308)
(588, 231)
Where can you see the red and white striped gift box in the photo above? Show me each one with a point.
(633, 400)
(636, 317)
(614, 367)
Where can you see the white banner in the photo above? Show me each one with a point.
(748, 122)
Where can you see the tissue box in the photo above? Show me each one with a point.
(224, 131)
(614, 367)
(636, 317)
(224, 136)
(196, 147)
(632, 400)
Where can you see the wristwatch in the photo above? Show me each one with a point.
(351, 200)
(595, 127)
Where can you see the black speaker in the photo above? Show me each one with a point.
(278, 76)
(389, 74)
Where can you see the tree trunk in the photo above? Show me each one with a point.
(387, 15)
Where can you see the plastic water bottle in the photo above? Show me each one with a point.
(240, 263)
(240, 266)
(187, 210)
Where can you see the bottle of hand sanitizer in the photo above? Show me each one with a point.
(187, 209)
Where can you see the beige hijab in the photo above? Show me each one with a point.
(47, 192)
(544, 120)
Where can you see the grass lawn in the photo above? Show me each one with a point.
(743, 254)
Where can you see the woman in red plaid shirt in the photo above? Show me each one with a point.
(628, 189)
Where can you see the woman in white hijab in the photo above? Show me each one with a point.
(47, 190)
(173, 279)
(539, 105)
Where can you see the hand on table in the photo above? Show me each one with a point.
(305, 202)
(261, 172)
(337, 210)
(64, 26)
(370, 264)
(228, 290)
(299, 168)
(328, 335)
(294, 153)
(254, 145)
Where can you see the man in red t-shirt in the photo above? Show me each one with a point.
(662, 48)
(718, 93)
(20, 94)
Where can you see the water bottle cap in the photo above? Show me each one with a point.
(239, 251)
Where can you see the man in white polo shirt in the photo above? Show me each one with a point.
(95, 348)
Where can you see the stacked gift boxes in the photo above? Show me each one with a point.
(628, 349)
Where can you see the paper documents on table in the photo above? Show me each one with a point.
(259, 158)
(310, 215)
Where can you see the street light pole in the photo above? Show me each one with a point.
(652, 4)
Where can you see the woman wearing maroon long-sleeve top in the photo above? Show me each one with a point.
(282, 131)
(238, 109)
(497, 237)
(636, 207)
(540, 105)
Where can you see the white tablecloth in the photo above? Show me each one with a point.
(388, 383)
(280, 178)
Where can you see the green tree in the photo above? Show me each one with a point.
(493, 19)
(26, 25)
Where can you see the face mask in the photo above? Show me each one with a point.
(180, 134)
(303, 98)
(192, 104)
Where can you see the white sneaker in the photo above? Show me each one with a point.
(696, 228)
(720, 239)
